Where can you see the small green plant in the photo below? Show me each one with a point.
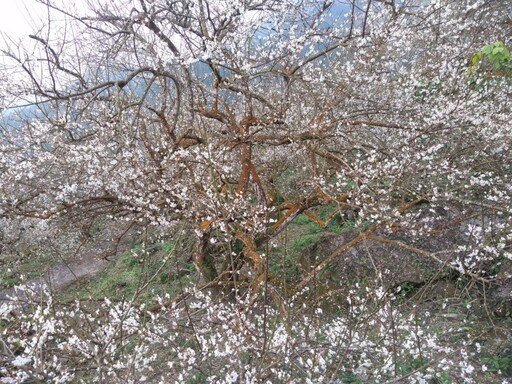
(497, 363)
(407, 287)
(495, 54)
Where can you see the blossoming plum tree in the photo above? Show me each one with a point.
(237, 116)
(158, 112)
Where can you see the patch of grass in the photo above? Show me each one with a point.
(346, 226)
(17, 271)
(302, 219)
(350, 378)
(134, 270)
(337, 221)
(284, 265)
(123, 278)
(9, 280)
(302, 233)
(302, 242)
(167, 246)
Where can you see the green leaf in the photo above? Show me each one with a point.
(476, 58)
(487, 49)
(497, 50)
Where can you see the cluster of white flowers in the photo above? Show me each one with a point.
(222, 342)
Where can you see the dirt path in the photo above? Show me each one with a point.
(57, 278)
(88, 262)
